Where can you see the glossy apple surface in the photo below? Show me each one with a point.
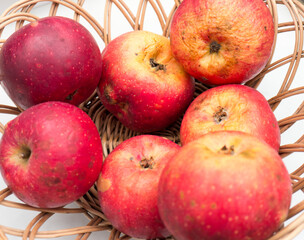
(127, 186)
(224, 185)
(222, 42)
(142, 84)
(231, 107)
(52, 59)
(50, 154)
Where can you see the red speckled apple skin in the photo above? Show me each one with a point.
(52, 59)
(245, 109)
(222, 42)
(225, 185)
(128, 192)
(66, 154)
(143, 96)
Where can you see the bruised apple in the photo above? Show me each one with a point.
(128, 185)
(225, 185)
(50, 154)
(222, 42)
(141, 82)
(52, 59)
(231, 107)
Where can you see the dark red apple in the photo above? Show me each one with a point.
(51, 154)
(52, 59)
(225, 185)
(127, 186)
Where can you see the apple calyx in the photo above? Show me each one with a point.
(157, 65)
(147, 163)
(214, 47)
(220, 115)
(227, 150)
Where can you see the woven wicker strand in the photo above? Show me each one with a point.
(113, 132)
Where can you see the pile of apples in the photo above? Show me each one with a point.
(224, 180)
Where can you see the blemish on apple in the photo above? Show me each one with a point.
(182, 195)
(103, 184)
(193, 203)
(124, 106)
(38, 65)
(108, 90)
(34, 24)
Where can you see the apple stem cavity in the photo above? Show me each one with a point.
(220, 115)
(157, 65)
(24, 154)
(147, 163)
(214, 47)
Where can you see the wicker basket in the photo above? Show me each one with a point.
(280, 82)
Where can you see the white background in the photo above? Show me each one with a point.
(269, 88)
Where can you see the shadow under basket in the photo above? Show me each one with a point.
(99, 20)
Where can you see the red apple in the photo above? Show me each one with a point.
(52, 59)
(50, 154)
(142, 84)
(231, 107)
(225, 185)
(222, 42)
(128, 183)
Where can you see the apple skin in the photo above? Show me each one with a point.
(142, 85)
(222, 42)
(50, 154)
(231, 107)
(225, 185)
(128, 185)
(52, 59)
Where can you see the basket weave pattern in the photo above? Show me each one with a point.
(113, 132)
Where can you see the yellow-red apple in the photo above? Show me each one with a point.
(231, 107)
(128, 185)
(222, 42)
(142, 84)
(225, 185)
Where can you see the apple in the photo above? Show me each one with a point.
(50, 154)
(128, 185)
(231, 107)
(52, 59)
(142, 84)
(222, 42)
(225, 185)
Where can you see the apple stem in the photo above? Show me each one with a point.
(70, 96)
(157, 65)
(147, 163)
